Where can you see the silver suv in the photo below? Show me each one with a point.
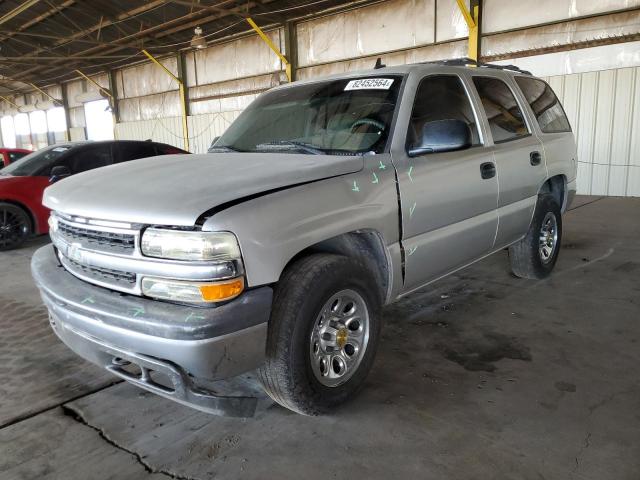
(325, 200)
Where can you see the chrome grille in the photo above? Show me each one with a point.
(97, 239)
(100, 274)
(107, 253)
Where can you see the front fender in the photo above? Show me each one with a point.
(273, 228)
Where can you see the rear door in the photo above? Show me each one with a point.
(448, 209)
(553, 127)
(517, 152)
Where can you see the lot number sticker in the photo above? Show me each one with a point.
(370, 84)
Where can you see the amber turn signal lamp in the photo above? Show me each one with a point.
(220, 291)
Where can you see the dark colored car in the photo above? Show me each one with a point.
(10, 155)
(23, 181)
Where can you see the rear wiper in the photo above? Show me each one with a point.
(292, 145)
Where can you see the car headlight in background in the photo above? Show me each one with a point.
(190, 245)
(192, 292)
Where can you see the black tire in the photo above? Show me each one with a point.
(302, 292)
(15, 226)
(527, 261)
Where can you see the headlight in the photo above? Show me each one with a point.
(189, 245)
(192, 292)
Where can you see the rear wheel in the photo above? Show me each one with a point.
(15, 226)
(536, 254)
(323, 333)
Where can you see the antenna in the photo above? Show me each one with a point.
(379, 64)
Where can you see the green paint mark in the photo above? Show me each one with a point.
(409, 173)
(136, 311)
(193, 316)
(375, 178)
(88, 300)
(355, 187)
(412, 209)
(382, 166)
(412, 251)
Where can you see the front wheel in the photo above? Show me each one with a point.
(15, 226)
(536, 254)
(323, 333)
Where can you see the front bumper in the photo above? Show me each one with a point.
(181, 342)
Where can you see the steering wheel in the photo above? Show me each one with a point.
(367, 121)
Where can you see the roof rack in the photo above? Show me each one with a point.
(465, 61)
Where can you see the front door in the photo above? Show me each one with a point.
(449, 199)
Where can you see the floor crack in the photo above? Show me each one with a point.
(69, 411)
(586, 444)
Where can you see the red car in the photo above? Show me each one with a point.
(23, 182)
(10, 155)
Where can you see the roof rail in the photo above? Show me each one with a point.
(464, 61)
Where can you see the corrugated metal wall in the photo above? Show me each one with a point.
(604, 110)
(202, 129)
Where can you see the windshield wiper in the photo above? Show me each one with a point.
(291, 145)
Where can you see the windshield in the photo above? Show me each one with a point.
(36, 162)
(347, 116)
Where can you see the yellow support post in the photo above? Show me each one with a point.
(103, 90)
(267, 40)
(55, 101)
(9, 102)
(473, 22)
(183, 102)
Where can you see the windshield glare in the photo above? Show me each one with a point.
(346, 116)
(35, 163)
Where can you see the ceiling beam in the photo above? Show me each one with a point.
(18, 10)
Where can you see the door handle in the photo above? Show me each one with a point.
(535, 158)
(488, 170)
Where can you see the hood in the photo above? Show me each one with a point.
(178, 189)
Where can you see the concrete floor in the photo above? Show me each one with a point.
(481, 375)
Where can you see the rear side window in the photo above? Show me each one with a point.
(13, 156)
(89, 158)
(503, 112)
(545, 105)
(441, 97)
(134, 150)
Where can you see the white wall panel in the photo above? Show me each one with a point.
(625, 23)
(165, 130)
(450, 23)
(604, 110)
(384, 27)
(499, 15)
(240, 58)
(147, 78)
(202, 130)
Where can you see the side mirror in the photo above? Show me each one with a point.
(58, 173)
(442, 136)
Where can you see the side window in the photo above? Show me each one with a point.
(503, 113)
(134, 150)
(89, 158)
(441, 97)
(13, 156)
(545, 105)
